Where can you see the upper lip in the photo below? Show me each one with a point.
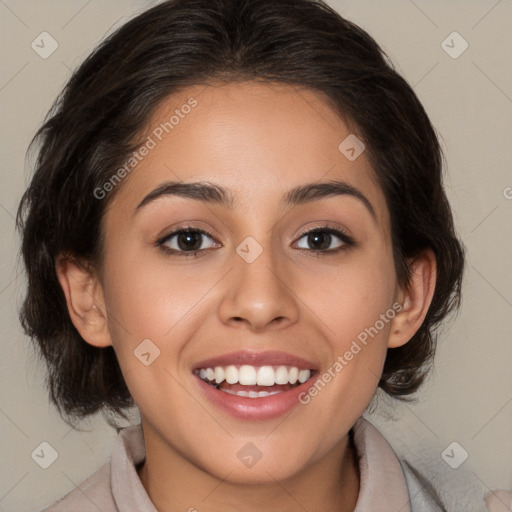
(256, 358)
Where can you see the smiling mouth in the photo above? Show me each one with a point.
(254, 381)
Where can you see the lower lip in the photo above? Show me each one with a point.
(262, 408)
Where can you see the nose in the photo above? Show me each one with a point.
(259, 294)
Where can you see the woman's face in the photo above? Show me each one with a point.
(256, 289)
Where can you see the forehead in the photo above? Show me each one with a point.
(256, 139)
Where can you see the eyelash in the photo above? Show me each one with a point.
(348, 242)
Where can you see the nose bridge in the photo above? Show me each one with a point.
(258, 293)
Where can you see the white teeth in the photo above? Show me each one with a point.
(265, 376)
(248, 375)
(304, 376)
(293, 375)
(281, 375)
(231, 375)
(251, 394)
(219, 374)
(268, 393)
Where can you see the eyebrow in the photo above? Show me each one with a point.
(215, 194)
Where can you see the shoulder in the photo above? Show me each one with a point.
(423, 496)
(388, 481)
(432, 484)
(116, 485)
(90, 496)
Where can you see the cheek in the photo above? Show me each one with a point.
(355, 306)
(149, 314)
(351, 296)
(147, 298)
(142, 292)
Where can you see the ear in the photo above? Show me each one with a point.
(85, 301)
(415, 299)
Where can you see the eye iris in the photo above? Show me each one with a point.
(319, 240)
(189, 240)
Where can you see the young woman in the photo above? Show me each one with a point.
(237, 224)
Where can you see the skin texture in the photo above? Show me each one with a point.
(259, 141)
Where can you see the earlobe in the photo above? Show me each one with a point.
(84, 300)
(415, 300)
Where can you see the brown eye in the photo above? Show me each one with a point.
(187, 241)
(324, 240)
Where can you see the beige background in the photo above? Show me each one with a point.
(468, 398)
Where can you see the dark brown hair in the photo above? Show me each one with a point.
(96, 121)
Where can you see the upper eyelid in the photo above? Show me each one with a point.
(175, 232)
